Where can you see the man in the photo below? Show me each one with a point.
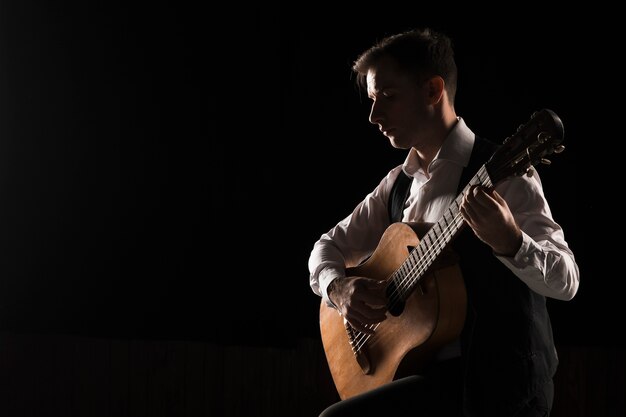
(503, 361)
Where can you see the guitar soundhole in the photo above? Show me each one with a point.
(396, 303)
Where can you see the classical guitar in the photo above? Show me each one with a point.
(427, 299)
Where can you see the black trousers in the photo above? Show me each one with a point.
(436, 392)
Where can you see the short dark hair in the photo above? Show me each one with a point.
(423, 52)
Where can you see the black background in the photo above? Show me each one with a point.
(165, 170)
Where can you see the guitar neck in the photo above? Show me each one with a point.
(422, 257)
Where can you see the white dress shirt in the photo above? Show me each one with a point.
(544, 261)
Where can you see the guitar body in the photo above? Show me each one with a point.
(433, 315)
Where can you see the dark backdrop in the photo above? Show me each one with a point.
(165, 170)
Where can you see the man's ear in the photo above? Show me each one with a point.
(435, 88)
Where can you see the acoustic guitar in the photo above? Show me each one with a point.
(426, 293)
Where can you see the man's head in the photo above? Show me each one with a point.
(422, 53)
(411, 80)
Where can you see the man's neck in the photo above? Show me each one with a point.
(441, 130)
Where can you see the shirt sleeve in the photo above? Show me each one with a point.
(352, 240)
(544, 261)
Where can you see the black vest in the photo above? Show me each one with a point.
(507, 344)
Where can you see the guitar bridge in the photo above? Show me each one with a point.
(358, 349)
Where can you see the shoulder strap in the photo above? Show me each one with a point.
(481, 152)
(397, 197)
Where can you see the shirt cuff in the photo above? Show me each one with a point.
(325, 277)
(529, 255)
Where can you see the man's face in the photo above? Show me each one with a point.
(399, 104)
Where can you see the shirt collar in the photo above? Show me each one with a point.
(456, 148)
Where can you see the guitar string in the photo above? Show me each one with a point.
(416, 271)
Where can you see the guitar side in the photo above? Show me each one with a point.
(402, 344)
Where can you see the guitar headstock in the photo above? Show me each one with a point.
(539, 137)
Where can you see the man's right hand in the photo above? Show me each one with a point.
(361, 301)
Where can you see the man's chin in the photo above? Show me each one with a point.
(397, 144)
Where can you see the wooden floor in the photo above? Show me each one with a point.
(56, 375)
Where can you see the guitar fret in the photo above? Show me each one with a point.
(408, 267)
(456, 204)
(445, 218)
(438, 226)
(420, 252)
(427, 239)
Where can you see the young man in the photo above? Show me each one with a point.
(512, 256)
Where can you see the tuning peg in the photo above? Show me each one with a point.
(546, 161)
(530, 172)
(559, 149)
(542, 137)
